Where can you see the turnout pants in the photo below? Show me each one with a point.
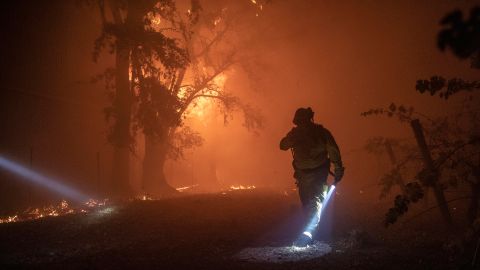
(312, 188)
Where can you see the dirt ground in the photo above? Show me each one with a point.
(209, 231)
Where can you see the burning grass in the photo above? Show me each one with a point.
(54, 210)
(241, 187)
(65, 208)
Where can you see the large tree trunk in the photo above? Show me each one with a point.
(120, 184)
(154, 181)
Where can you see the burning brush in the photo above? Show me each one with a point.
(61, 209)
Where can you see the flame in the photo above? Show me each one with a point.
(202, 105)
(144, 197)
(241, 187)
(9, 219)
(61, 209)
(220, 80)
(182, 189)
(96, 203)
(156, 20)
(64, 208)
(258, 5)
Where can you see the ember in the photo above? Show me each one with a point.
(186, 188)
(240, 187)
(144, 197)
(61, 209)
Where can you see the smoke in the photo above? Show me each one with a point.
(340, 58)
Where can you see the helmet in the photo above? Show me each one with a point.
(303, 115)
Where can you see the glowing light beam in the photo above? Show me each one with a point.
(49, 183)
(312, 225)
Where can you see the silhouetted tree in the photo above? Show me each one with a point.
(454, 140)
(462, 37)
(166, 60)
(126, 34)
(396, 150)
(207, 36)
(454, 144)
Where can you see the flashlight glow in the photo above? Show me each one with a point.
(39, 179)
(316, 217)
(329, 195)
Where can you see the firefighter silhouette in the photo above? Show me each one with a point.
(314, 150)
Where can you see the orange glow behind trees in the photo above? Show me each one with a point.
(167, 97)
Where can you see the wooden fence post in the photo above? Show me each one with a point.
(428, 162)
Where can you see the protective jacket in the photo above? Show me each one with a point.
(312, 146)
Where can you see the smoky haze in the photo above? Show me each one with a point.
(340, 58)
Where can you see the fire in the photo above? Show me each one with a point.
(144, 197)
(64, 208)
(241, 187)
(186, 188)
(96, 203)
(61, 209)
(156, 20)
(258, 6)
(202, 105)
(9, 219)
(220, 80)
